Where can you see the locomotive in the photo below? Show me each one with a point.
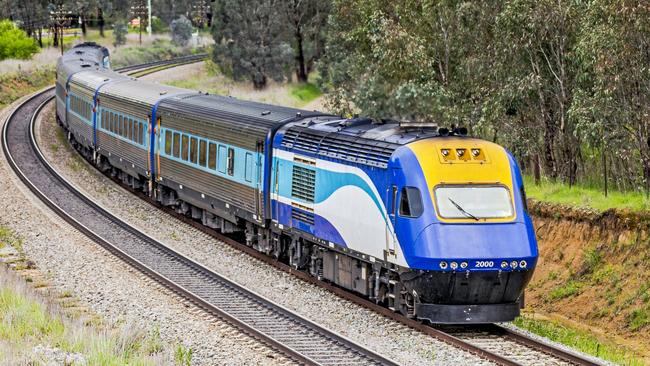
(426, 221)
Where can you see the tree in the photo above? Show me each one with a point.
(14, 43)
(250, 40)
(307, 20)
(613, 103)
(181, 30)
(119, 32)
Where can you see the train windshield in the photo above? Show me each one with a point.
(473, 202)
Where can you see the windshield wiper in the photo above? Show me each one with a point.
(463, 210)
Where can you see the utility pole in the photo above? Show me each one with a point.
(149, 17)
(61, 19)
(141, 11)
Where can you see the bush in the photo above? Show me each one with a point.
(119, 32)
(157, 25)
(14, 43)
(181, 30)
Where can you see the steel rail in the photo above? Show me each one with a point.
(327, 347)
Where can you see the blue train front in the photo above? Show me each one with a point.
(434, 226)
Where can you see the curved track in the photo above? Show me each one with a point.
(296, 337)
(283, 330)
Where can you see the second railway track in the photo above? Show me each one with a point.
(278, 327)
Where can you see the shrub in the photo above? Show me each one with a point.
(119, 32)
(157, 25)
(181, 30)
(14, 43)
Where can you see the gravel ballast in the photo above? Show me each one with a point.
(374, 331)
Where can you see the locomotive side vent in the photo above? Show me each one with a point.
(303, 181)
(306, 217)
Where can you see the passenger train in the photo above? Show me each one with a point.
(429, 222)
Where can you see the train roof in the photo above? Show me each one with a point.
(358, 140)
(253, 119)
(84, 56)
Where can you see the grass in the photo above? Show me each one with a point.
(306, 92)
(157, 50)
(568, 289)
(581, 196)
(578, 339)
(10, 238)
(14, 85)
(27, 324)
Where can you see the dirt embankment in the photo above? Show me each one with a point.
(594, 268)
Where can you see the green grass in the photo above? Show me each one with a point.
(9, 237)
(568, 289)
(578, 339)
(15, 85)
(306, 92)
(588, 197)
(27, 323)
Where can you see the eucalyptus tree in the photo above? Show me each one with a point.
(250, 40)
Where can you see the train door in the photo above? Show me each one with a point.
(391, 209)
(275, 190)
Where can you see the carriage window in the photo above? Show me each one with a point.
(222, 158)
(136, 134)
(212, 156)
(248, 175)
(168, 142)
(130, 129)
(120, 125)
(231, 161)
(177, 144)
(202, 152)
(410, 202)
(193, 147)
(184, 147)
(141, 133)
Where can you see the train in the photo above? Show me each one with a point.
(422, 219)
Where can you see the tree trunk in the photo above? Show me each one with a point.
(40, 37)
(300, 57)
(537, 170)
(100, 22)
(82, 20)
(605, 170)
(55, 38)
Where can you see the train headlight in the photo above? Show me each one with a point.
(504, 265)
(460, 152)
(476, 152)
(514, 264)
(443, 265)
(523, 264)
(463, 265)
(453, 265)
(444, 152)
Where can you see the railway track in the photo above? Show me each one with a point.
(284, 331)
(494, 343)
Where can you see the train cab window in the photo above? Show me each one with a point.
(222, 158)
(212, 156)
(184, 147)
(248, 174)
(410, 202)
(231, 161)
(141, 133)
(193, 148)
(168, 142)
(393, 199)
(177, 144)
(202, 152)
